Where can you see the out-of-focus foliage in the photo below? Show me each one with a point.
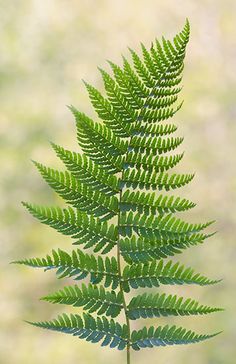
(46, 47)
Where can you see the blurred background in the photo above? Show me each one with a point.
(46, 48)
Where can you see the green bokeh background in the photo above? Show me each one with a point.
(46, 48)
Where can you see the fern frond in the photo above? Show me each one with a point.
(157, 115)
(155, 129)
(135, 250)
(150, 162)
(127, 89)
(150, 65)
(85, 229)
(86, 171)
(135, 81)
(156, 273)
(161, 102)
(92, 298)
(99, 143)
(168, 56)
(142, 70)
(145, 179)
(165, 91)
(86, 327)
(105, 111)
(78, 265)
(165, 63)
(125, 153)
(149, 305)
(167, 335)
(156, 145)
(78, 194)
(149, 203)
(117, 99)
(152, 227)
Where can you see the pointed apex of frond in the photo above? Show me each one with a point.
(187, 23)
(73, 109)
(26, 204)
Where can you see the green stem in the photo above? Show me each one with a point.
(121, 289)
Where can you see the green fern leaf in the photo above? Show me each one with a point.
(154, 274)
(145, 179)
(152, 227)
(79, 195)
(157, 115)
(150, 162)
(149, 305)
(156, 145)
(99, 143)
(109, 332)
(141, 69)
(139, 87)
(88, 172)
(127, 89)
(163, 336)
(91, 297)
(105, 111)
(117, 99)
(148, 203)
(155, 129)
(78, 265)
(86, 230)
(135, 250)
(126, 155)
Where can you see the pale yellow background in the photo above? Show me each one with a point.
(46, 48)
